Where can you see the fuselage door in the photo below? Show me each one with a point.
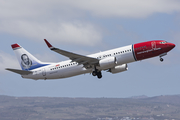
(153, 44)
(43, 72)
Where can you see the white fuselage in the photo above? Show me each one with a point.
(113, 61)
(68, 68)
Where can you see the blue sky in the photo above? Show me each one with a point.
(87, 27)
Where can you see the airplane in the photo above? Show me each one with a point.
(113, 61)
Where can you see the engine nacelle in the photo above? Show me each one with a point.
(107, 63)
(119, 68)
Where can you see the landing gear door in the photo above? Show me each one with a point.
(44, 72)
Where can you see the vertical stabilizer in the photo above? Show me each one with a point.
(26, 60)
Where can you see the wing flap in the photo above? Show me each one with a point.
(21, 72)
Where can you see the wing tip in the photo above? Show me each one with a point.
(48, 44)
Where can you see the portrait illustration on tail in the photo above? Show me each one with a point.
(26, 62)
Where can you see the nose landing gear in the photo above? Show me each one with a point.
(161, 59)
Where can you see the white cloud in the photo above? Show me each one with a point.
(65, 21)
(46, 19)
(127, 8)
(8, 61)
(66, 8)
(74, 33)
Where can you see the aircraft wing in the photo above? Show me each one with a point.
(21, 72)
(80, 59)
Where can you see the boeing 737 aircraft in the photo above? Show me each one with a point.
(113, 61)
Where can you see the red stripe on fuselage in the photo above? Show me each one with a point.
(150, 49)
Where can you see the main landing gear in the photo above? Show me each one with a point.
(97, 73)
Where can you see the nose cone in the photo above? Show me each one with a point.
(171, 45)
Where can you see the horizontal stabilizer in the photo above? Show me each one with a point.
(21, 72)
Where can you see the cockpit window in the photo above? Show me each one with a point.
(163, 42)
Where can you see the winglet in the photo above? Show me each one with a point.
(48, 44)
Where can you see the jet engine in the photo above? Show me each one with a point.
(107, 63)
(119, 68)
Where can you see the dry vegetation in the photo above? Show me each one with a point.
(45, 108)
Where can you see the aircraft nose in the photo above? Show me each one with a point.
(171, 45)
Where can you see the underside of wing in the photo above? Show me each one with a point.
(80, 59)
(21, 72)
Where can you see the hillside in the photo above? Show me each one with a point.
(47, 108)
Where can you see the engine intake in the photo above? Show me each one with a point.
(119, 68)
(107, 63)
